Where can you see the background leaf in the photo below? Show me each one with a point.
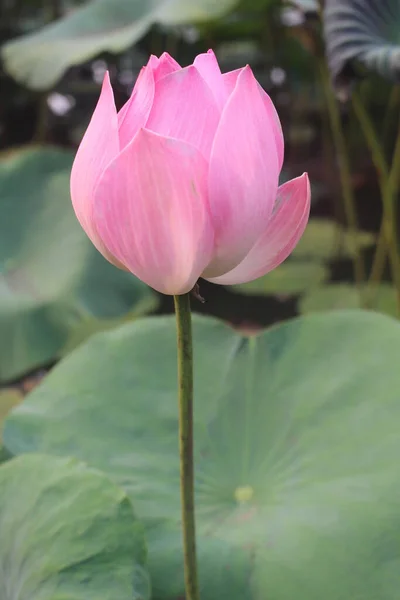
(52, 280)
(67, 532)
(324, 240)
(297, 445)
(343, 295)
(39, 59)
(364, 32)
(289, 279)
(307, 6)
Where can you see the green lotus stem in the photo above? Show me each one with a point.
(391, 221)
(39, 136)
(185, 384)
(388, 183)
(379, 260)
(390, 116)
(344, 171)
(52, 10)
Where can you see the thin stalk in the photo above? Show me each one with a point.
(377, 153)
(52, 11)
(185, 384)
(40, 134)
(379, 260)
(329, 159)
(390, 116)
(344, 171)
(388, 183)
(391, 220)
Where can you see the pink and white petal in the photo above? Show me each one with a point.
(284, 230)
(135, 112)
(243, 175)
(184, 108)
(230, 79)
(207, 66)
(99, 146)
(166, 65)
(151, 210)
(276, 125)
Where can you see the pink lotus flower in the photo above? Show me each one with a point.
(182, 183)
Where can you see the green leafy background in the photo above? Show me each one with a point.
(38, 60)
(55, 287)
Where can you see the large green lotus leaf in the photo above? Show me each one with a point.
(296, 449)
(39, 59)
(52, 280)
(364, 32)
(324, 240)
(289, 279)
(343, 295)
(67, 533)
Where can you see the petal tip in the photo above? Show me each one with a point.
(306, 180)
(107, 92)
(166, 56)
(106, 82)
(246, 76)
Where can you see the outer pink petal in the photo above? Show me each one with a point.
(276, 125)
(230, 80)
(166, 66)
(151, 210)
(208, 67)
(243, 176)
(99, 146)
(184, 108)
(279, 238)
(135, 112)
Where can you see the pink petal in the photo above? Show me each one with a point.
(230, 80)
(99, 146)
(208, 67)
(151, 210)
(184, 108)
(166, 65)
(276, 125)
(134, 114)
(284, 230)
(243, 176)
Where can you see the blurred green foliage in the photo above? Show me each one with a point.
(54, 285)
(281, 39)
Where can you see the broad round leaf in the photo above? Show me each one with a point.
(364, 32)
(289, 279)
(296, 450)
(53, 282)
(67, 533)
(381, 298)
(39, 59)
